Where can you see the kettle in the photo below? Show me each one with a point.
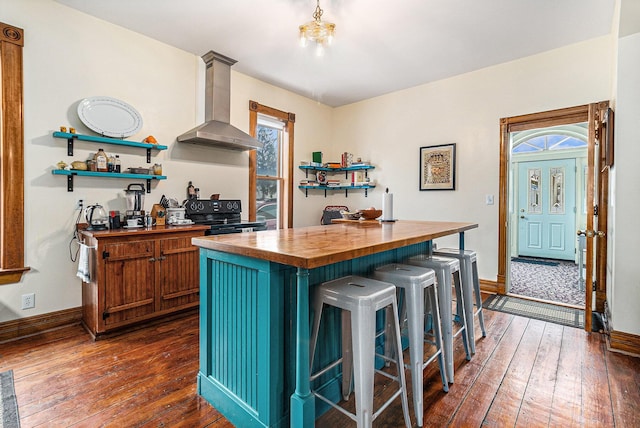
(96, 217)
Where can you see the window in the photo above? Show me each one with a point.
(270, 168)
(562, 137)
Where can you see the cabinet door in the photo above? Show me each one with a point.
(179, 273)
(129, 281)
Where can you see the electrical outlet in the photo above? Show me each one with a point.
(28, 301)
(80, 204)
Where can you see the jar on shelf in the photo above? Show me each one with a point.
(157, 169)
(101, 161)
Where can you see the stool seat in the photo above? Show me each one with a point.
(414, 282)
(446, 269)
(471, 287)
(360, 298)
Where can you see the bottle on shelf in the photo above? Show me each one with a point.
(116, 165)
(111, 161)
(101, 161)
(191, 191)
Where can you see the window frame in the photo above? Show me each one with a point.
(11, 155)
(288, 120)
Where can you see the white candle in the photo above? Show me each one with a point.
(387, 206)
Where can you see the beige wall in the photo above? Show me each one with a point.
(69, 56)
(466, 110)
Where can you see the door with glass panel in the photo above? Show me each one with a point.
(547, 209)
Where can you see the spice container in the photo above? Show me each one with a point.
(101, 161)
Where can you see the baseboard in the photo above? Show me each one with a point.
(24, 327)
(488, 286)
(624, 342)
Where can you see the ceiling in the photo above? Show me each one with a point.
(379, 47)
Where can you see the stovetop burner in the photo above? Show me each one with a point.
(224, 216)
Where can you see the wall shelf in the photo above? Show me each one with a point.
(71, 173)
(346, 170)
(105, 140)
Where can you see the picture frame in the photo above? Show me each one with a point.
(438, 167)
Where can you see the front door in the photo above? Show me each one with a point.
(546, 208)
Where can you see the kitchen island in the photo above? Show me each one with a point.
(254, 310)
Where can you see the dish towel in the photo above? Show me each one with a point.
(83, 263)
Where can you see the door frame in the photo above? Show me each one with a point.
(593, 115)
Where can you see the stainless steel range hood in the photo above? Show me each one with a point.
(216, 130)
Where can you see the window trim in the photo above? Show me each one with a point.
(289, 120)
(11, 156)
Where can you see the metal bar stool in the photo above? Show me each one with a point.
(414, 281)
(470, 289)
(446, 269)
(362, 297)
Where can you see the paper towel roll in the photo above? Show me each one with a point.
(387, 206)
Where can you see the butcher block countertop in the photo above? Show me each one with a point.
(138, 231)
(314, 246)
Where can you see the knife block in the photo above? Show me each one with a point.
(158, 212)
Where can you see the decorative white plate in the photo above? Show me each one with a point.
(109, 117)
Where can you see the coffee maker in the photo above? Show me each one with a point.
(134, 194)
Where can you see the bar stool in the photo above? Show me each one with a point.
(414, 281)
(362, 297)
(446, 269)
(470, 289)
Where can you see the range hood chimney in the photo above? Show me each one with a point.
(216, 130)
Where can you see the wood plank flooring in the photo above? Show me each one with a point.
(525, 373)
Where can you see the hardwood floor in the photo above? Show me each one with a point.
(524, 373)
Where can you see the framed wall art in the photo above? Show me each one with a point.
(438, 167)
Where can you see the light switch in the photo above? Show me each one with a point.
(489, 199)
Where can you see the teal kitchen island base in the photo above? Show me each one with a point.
(255, 317)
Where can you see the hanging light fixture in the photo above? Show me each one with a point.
(317, 31)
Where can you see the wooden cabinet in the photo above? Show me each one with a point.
(139, 275)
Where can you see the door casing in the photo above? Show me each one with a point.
(593, 114)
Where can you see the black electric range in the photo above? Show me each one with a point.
(224, 216)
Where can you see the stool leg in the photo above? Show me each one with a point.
(415, 318)
(444, 301)
(462, 313)
(437, 332)
(476, 286)
(317, 313)
(347, 355)
(400, 366)
(467, 290)
(363, 338)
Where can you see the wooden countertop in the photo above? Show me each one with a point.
(143, 230)
(314, 246)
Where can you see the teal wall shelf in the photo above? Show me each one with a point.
(105, 140)
(71, 173)
(346, 170)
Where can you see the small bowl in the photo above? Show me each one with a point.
(350, 215)
(370, 214)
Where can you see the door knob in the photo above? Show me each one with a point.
(521, 216)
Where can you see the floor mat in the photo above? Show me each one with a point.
(534, 261)
(8, 404)
(531, 309)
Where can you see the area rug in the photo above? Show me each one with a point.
(8, 403)
(534, 261)
(531, 309)
(554, 283)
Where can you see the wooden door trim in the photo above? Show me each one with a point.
(549, 118)
(289, 120)
(12, 156)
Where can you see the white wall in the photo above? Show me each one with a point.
(623, 293)
(466, 110)
(69, 56)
